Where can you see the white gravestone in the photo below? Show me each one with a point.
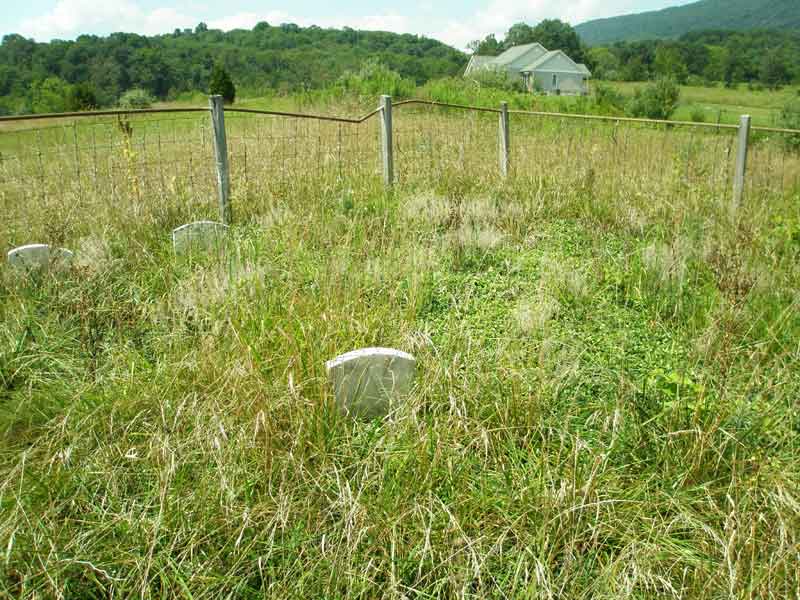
(34, 257)
(200, 235)
(367, 382)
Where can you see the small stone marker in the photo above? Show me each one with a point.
(367, 381)
(34, 257)
(199, 235)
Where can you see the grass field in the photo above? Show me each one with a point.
(606, 398)
(724, 105)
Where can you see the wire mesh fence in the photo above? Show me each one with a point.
(54, 172)
(621, 160)
(432, 143)
(122, 164)
(276, 156)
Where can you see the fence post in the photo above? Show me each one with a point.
(741, 161)
(386, 140)
(221, 157)
(504, 144)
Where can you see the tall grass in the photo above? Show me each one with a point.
(606, 396)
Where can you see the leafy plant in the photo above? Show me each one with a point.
(698, 114)
(81, 97)
(375, 78)
(607, 97)
(790, 119)
(658, 100)
(136, 98)
(498, 79)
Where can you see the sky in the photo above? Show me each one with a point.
(455, 22)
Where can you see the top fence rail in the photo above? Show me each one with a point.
(410, 102)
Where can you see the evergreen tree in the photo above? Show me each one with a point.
(222, 84)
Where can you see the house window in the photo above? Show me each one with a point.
(555, 81)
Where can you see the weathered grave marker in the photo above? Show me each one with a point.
(200, 235)
(366, 382)
(34, 257)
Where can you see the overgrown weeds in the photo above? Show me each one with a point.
(605, 403)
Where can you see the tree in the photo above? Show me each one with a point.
(222, 84)
(518, 34)
(201, 28)
(773, 72)
(669, 63)
(49, 95)
(604, 63)
(489, 46)
(554, 34)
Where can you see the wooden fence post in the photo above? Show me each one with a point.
(221, 157)
(741, 161)
(386, 140)
(504, 142)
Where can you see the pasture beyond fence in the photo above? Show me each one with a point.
(182, 157)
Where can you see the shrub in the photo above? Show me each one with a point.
(696, 81)
(221, 84)
(136, 98)
(606, 97)
(498, 79)
(658, 100)
(698, 114)
(375, 78)
(81, 96)
(790, 119)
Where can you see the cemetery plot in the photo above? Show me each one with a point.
(34, 257)
(368, 382)
(200, 235)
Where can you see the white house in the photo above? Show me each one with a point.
(540, 70)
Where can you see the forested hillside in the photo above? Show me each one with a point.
(268, 57)
(771, 58)
(737, 15)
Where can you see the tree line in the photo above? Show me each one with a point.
(766, 57)
(62, 75)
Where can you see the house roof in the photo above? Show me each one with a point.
(477, 61)
(516, 52)
(584, 68)
(545, 58)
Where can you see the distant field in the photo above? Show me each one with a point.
(606, 402)
(726, 105)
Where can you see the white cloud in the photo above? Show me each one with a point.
(70, 18)
(248, 20)
(498, 15)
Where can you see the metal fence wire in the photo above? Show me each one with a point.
(120, 162)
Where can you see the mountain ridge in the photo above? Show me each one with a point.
(672, 22)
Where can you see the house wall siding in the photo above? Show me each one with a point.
(568, 83)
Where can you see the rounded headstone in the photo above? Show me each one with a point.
(200, 235)
(34, 257)
(369, 381)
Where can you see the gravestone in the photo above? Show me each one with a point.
(36, 257)
(368, 382)
(200, 235)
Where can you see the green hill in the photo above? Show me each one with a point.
(737, 15)
(284, 57)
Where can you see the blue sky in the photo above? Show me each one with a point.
(453, 21)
